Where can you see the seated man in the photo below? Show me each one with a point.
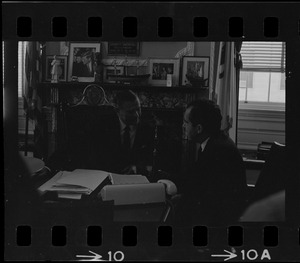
(125, 144)
(114, 139)
(214, 191)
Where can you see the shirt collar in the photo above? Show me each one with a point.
(203, 145)
(122, 125)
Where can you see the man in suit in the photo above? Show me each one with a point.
(77, 65)
(87, 67)
(215, 187)
(125, 144)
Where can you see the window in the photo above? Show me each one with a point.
(246, 79)
(262, 78)
(21, 67)
(3, 49)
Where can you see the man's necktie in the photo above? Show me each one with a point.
(200, 152)
(126, 139)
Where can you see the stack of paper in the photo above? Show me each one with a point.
(74, 184)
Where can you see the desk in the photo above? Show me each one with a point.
(68, 210)
(142, 213)
(152, 212)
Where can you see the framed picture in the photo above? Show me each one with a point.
(112, 71)
(195, 71)
(160, 68)
(124, 48)
(81, 61)
(61, 64)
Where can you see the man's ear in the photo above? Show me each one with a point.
(199, 128)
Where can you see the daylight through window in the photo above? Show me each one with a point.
(262, 78)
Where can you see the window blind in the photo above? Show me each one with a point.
(263, 56)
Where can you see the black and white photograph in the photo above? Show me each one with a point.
(82, 62)
(195, 71)
(56, 68)
(123, 48)
(160, 68)
(111, 72)
(196, 162)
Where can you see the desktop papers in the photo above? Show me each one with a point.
(132, 189)
(128, 179)
(73, 184)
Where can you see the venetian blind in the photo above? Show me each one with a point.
(263, 56)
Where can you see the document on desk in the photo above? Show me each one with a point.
(82, 179)
(70, 196)
(119, 179)
(73, 184)
(48, 185)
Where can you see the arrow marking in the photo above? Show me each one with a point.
(228, 256)
(96, 257)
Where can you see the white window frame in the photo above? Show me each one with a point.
(279, 66)
(258, 105)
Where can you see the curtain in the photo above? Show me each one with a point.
(225, 88)
(32, 76)
(32, 102)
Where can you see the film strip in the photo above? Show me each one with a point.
(30, 235)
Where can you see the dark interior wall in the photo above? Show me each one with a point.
(170, 116)
(147, 49)
(152, 49)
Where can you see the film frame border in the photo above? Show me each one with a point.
(218, 15)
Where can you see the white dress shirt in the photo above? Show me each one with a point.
(203, 145)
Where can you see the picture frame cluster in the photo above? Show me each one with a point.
(194, 71)
(82, 65)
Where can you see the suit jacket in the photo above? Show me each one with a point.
(86, 72)
(109, 154)
(93, 142)
(81, 70)
(215, 188)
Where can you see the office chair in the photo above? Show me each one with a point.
(82, 128)
(78, 126)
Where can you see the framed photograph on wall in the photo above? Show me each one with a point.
(124, 48)
(111, 71)
(61, 64)
(160, 68)
(81, 61)
(195, 71)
